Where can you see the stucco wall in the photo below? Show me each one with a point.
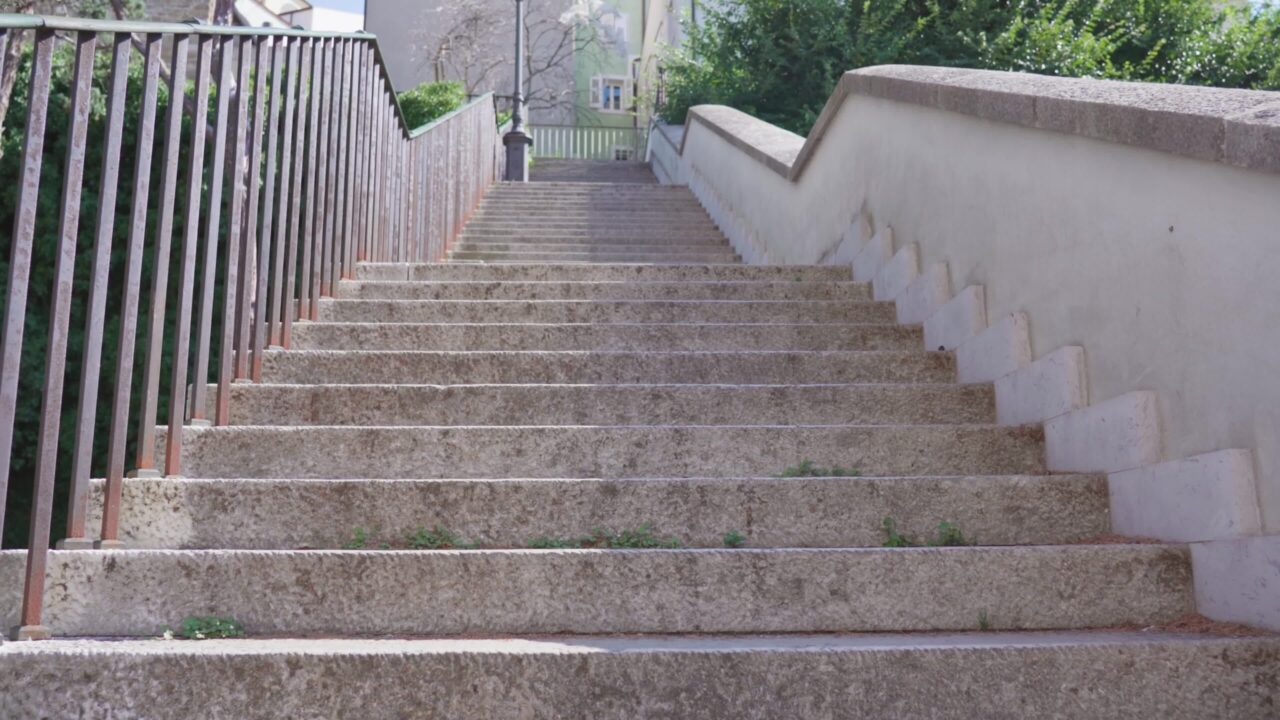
(1162, 266)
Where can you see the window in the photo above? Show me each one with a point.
(611, 94)
(623, 152)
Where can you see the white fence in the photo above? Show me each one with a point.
(588, 143)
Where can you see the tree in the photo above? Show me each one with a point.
(779, 59)
(476, 47)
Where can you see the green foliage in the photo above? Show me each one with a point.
(892, 538)
(359, 538)
(438, 538)
(780, 59)
(45, 249)
(734, 539)
(947, 535)
(640, 537)
(807, 468)
(430, 100)
(210, 627)
(984, 624)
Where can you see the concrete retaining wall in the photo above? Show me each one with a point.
(1105, 252)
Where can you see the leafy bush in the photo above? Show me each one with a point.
(430, 100)
(779, 59)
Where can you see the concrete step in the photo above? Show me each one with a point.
(428, 452)
(552, 211)
(634, 236)
(603, 272)
(508, 513)
(601, 336)
(583, 245)
(263, 404)
(604, 311)
(963, 676)
(556, 290)
(481, 367)
(133, 592)
(594, 257)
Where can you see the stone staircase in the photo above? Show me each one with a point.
(592, 357)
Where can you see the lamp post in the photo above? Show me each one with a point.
(517, 141)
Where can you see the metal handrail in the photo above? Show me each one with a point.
(307, 138)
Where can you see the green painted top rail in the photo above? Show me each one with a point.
(12, 21)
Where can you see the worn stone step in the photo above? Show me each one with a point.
(604, 336)
(569, 290)
(538, 211)
(601, 311)
(498, 513)
(726, 256)
(451, 368)
(266, 404)
(664, 236)
(133, 592)
(579, 245)
(606, 451)
(962, 676)
(617, 272)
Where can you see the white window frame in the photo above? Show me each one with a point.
(599, 82)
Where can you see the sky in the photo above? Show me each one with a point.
(355, 6)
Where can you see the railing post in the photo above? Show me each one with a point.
(24, 228)
(275, 312)
(517, 141)
(236, 160)
(190, 246)
(129, 308)
(217, 177)
(302, 140)
(250, 251)
(145, 465)
(30, 627)
(90, 365)
(265, 253)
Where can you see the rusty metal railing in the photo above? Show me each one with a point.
(298, 165)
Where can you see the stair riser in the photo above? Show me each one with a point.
(540, 237)
(523, 212)
(605, 257)
(792, 512)
(601, 273)
(502, 592)
(603, 311)
(625, 368)
(567, 678)
(609, 404)
(605, 452)
(774, 291)
(571, 245)
(632, 337)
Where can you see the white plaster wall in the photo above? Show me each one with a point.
(1166, 269)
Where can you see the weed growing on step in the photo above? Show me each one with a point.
(208, 627)
(734, 539)
(438, 538)
(983, 623)
(359, 538)
(807, 468)
(947, 535)
(642, 537)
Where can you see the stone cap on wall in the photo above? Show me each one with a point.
(1234, 127)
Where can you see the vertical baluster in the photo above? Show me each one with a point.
(90, 366)
(146, 451)
(260, 297)
(237, 162)
(190, 245)
(302, 184)
(380, 179)
(24, 227)
(227, 46)
(250, 251)
(362, 158)
(342, 105)
(59, 314)
(315, 176)
(332, 141)
(354, 58)
(321, 179)
(129, 307)
(288, 190)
